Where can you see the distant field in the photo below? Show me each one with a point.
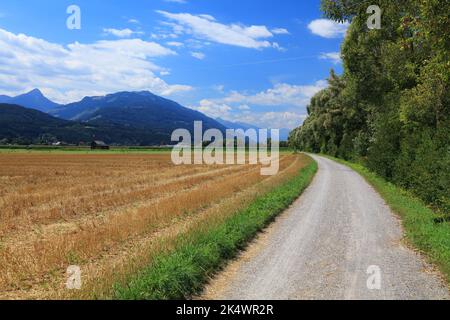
(81, 150)
(109, 214)
(87, 150)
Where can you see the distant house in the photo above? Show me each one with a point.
(99, 145)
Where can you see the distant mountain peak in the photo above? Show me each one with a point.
(33, 99)
(135, 109)
(36, 93)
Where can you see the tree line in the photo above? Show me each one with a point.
(391, 106)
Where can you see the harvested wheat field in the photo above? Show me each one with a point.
(109, 214)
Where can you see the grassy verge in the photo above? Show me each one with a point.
(422, 229)
(183, 272)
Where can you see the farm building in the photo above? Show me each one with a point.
(99, 145)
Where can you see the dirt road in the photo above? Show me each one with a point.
(324, 246)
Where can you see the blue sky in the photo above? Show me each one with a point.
(250, 60)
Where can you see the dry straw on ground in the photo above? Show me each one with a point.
(108, 214)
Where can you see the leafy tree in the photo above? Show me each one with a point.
(391, 106)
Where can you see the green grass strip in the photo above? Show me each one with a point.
(421, 229)
(183, 272)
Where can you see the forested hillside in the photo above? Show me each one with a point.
(391, 107)
(19, 125)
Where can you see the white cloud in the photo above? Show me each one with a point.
(197, 44)
(175, 44)
(198, 55)
(334, 57)
(328, 28)
(275, 120)
(243, 107)
(68, 73)
(281, 94)
(121, 33)
(207, 17)
(275, 45)
(280, 31)
(163, 36)
(207, 28)
(213, 109)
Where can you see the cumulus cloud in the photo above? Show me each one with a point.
(207, 28)
(68, 73)
(281, 94)
(280, 31)
(275, 120)
(334, 57)
(198, 55)
(328, 28)
(121, 33)
(163, 36)
(175, 44)
(244, 107)
(213, 109)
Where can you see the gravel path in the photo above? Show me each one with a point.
(324, 246)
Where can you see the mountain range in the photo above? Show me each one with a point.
(125, 118)
(19, 125)
(141, 110)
